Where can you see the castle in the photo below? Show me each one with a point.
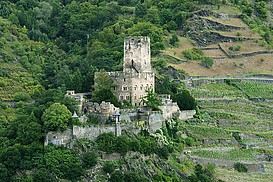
(131, 85)
(137, 75)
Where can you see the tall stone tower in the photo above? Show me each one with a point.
(136, 55)
(137, 75)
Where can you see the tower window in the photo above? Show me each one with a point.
(124, 79)
(121, 97)
(127, 97)
(147, 86)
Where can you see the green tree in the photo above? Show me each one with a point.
(185, 100)
(4, 173)
(89, 159)
(103, 89)
(56, 117)
(122, 144)
(174, 40)
(11, 158)
(43, 175)
(62, 162)
(206, 174)
(152, 100)
(108, 167)
(107, 142)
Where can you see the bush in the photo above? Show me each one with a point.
(43, 175)
(237, 137)
(107, 142)
(240, 167)
(174, 40)
(236, 48)
(185, 100)
(193, 54)
(108, 167)
(21, 96)
(189, 141)
(63, 163)
(207, 62)
(89, 159)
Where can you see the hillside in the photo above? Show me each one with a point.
(50, 46)
(235, 126)
(224, 37)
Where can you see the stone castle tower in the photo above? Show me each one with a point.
(137, 75)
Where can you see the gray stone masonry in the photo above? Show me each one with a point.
(137, 75)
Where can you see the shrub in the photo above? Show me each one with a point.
(239, 34)
(240, 167)
(189, 141)
(108, 167)
(89, 159)
(207, 62)
(193, 53)
(237, 137)
(185, 100)
(174, 39)
(21, 96)
(236, 48)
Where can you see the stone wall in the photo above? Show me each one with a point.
(186, 114)
(58, 138)
(91, 132)
(252, 167)
(129, 119)
(155, 121)
(132, 86)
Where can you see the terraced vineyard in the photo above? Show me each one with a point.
(256, 89)
(234, 126)
(221, 34)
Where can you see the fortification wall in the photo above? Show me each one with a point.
(58, 138)
(187, 114)
(155, 121)
(91, 132)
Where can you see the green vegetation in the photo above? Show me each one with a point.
(48, 47)
(194, 54)
(207, 62)
(256, 89)
(103, 89)
(240, 167)
(229, 155)
(152, 100)
(203, 174)
(236, 48)
(216, 91)
(204, 132)
(185, 100)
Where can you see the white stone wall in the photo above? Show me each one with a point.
(187, 114)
